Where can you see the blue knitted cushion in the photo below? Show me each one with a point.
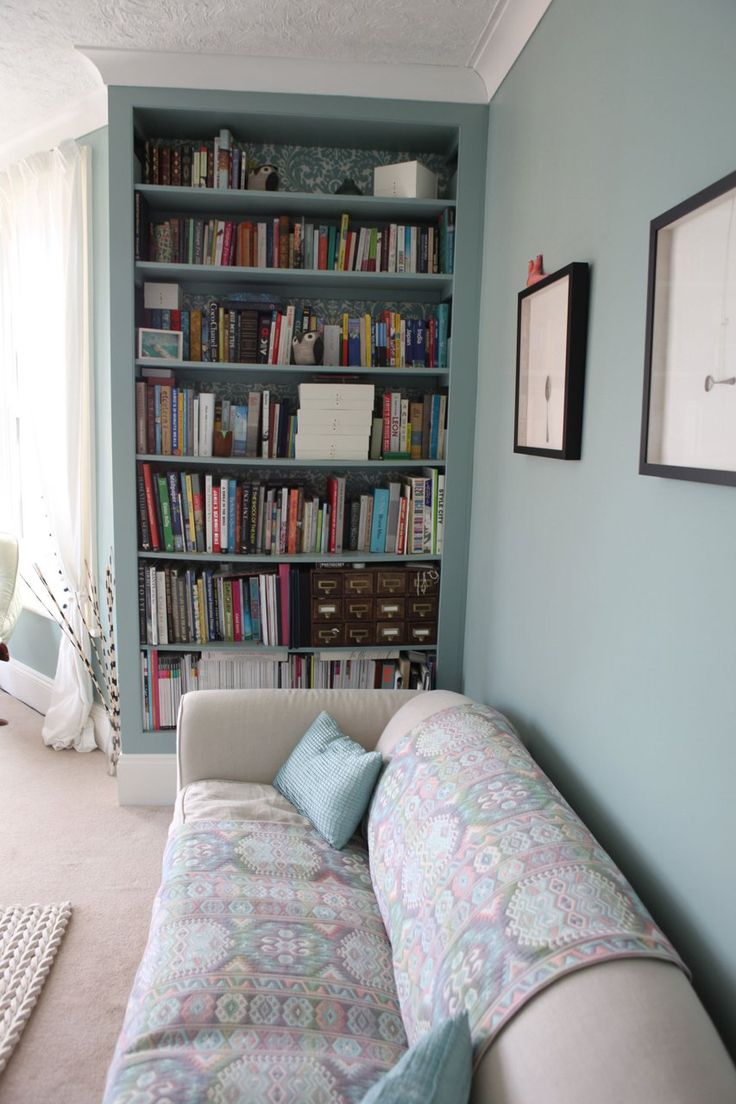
(330, 779)
(436, 1070)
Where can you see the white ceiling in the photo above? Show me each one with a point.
(42, 75)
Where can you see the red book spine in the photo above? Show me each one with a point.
(401, 531)
(322, 251)
(216, 519)
(227, 244)
(276, 339)
(237, 611)
(152, 522)
(386, 423)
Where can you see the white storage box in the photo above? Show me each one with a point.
(407, 178)
(161, 296)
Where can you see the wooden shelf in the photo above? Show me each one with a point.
(302, 282)
(286, 463)
(193, 369)
(178, 200)
(300, 557)
(268, 649)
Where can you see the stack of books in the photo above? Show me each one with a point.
(334, 421)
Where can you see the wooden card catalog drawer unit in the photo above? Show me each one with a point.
(327, 609)
(386, 606)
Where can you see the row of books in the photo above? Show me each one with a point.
(188, 606)
(184, 421)
(201, 513)
(215, 163)
(220, 333)
(166, 676)
(281, 242)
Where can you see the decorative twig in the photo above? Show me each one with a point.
(95, 637)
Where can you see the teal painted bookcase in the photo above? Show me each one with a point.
(316, 141)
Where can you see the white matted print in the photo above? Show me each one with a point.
(543, 344)
(550, 364)
(690, 397)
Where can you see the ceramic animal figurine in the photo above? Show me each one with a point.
(307, 348)
(264, 178)
(535, 271)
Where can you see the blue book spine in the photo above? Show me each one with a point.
(420, 344)
(157, 415)
(177, 526)
(165, 320)
(380, 518)
(443, 315)
(155, 318)
(187, 520)
(247, 619)
(175, 421)
(434, 427)
(231, 534)
(255, 607)
(185, 335)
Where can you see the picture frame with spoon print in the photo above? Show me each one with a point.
(688, 426)
(552, 330)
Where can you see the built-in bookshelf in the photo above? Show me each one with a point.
(253, 586)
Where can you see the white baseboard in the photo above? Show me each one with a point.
(147, 779)
(27, 685)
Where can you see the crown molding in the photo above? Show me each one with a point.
(510, 26)
(235, 73)
(79, 118)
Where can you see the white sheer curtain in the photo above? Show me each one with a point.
(45, 370)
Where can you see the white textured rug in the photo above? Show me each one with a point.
(29, 938)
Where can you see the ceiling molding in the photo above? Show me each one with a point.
(509, 28)
(236, 73)
(81, 117)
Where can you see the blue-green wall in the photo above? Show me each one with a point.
(602, 604)
(35, 642)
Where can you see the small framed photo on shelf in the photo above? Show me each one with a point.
(688, 428)
(160, 344)
(552, 328)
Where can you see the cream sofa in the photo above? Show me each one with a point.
(268, 973)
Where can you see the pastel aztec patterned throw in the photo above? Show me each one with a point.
(267, 976)
(488, 883)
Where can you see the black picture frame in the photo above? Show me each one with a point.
(688, 423)
(551, 340)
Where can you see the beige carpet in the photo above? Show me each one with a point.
(64, 837)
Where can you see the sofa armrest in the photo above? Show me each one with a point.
(246, 735)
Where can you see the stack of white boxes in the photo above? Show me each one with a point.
(334, 421)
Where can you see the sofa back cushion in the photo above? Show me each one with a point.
(489, 885)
